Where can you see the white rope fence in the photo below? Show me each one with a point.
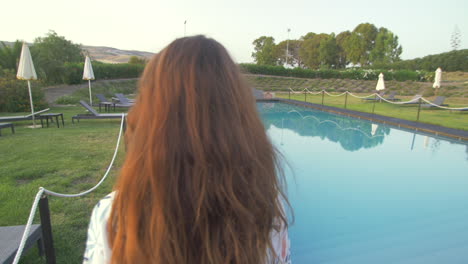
(334, 95)
(361, 97)
(45, 191)
(294, 92)
(443, 107)
(412, 101)
(313, 93)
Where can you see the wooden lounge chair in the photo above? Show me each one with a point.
(93, 114)
(22, 118)
(438, 101)
(413, 100)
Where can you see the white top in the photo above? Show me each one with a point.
(98, 251)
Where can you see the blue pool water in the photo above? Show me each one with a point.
(370, 193)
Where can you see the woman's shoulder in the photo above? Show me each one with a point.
(106, 201)
(97, 247)
(102, 209)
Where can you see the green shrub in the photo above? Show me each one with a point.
(353, 74)
(14, 95)
(455, 60)
(102, 71)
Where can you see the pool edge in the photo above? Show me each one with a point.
(458, 134)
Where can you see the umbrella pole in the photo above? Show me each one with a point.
(90, 96)
(31, 102)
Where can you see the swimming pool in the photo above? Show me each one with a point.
(370, 193)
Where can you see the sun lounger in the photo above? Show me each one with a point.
(375, 98)
(391, 97)
(93, 114)
(22, 118)
(124, 100)
(6, 125)
(438, 101)
(107, 104)
(413, 100)
(10, 237)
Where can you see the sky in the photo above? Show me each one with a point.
(424, 27)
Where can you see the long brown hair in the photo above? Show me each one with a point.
(200, 182)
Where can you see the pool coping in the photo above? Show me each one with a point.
(458, 134)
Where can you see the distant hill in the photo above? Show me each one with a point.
(109, 54)
(113, 55)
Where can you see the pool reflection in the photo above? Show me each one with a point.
(352, 134)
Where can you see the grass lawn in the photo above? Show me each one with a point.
(453, 119)
(69, 160)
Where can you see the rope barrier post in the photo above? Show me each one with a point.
(305, 96)
(373, 106)
(323, 95)
(46, 230)
(346, 99)
(419, 109)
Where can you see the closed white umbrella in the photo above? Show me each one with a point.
(438, 78)
(380, 83)
(374, 128)
(27, 72)
(88, 74)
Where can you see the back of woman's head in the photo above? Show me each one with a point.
(199, 183)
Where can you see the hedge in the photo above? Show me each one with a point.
(74, 71)
(14, 95)
(456, 60)
(355, 74)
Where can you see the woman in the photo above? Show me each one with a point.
(200, 181)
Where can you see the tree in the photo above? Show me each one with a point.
(265, 52)
(309, 50)
(293, 49)
(51, 53)
(328, 52)
(386, 48)
(361, 42)
(10, 55)
(341, 39)
(355, 49)
(137, 60)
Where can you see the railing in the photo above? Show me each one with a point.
(377, 97)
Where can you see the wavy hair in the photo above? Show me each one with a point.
(201, 181)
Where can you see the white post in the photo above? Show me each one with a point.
(90, 96)
(287, 47)
(31, 102)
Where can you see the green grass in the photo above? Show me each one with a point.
(69, 160)
(453, 119)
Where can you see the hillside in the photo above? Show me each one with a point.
(113, 55)
(108, 54)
